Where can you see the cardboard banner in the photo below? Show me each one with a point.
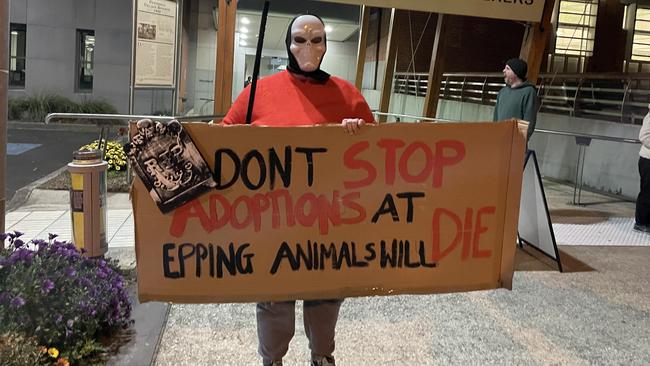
(524, 10)
(312, 213)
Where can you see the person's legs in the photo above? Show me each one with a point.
(320, 318)
(642, 214)
(275, 328)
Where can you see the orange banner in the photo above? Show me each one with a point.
(312, 212)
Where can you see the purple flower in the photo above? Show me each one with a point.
(3, 236)
(70, 272)
(58, 318)
(69, 323)
(52, 236)
(47, 286)
(18, 243)
(17, 302)
(18, 234)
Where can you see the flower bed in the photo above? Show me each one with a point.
(58, 300)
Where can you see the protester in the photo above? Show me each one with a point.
(303, 94)
(518, 99)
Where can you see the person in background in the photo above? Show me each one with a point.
(303, 94)
(248, 80)
(642, 213)
(518, 99)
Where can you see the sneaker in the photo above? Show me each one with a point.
(323, 361)
(641, 228)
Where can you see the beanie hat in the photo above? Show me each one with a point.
(519, 67)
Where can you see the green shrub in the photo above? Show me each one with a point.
(36, 107)
(96, 107)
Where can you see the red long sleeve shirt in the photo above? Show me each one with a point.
(285, 100)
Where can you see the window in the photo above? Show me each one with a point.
(17, 35)
(641, 40)
(85, 59)
(576, 27)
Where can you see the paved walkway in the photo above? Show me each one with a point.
(596, 313)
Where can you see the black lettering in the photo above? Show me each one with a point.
(423, 258)
(344, 254)
(370, 248)
(182, 256)
(167, 259)
(385, 257)
(388, 205)
(284, 252)
(253, 154)
(307, 257)
(309, 151)
(409, 196)
(217, 167)
(355, 262)
(248, 268)
(327, 253)
(227, 260)
(407, 256)
(275, 166)
(201, 254)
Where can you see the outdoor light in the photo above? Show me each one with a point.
(244, 20)
(243, 43)
(243, 30)
(243, 36)
(328, 29)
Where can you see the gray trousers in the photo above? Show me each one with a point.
(276, 326)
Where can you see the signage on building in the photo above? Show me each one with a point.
(524, 10)
(155, 43)
(311, 212)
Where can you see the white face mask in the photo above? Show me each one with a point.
(308, 42)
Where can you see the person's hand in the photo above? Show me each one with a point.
(352, 125)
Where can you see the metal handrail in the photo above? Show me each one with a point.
(572, 94)
(418, 118)
(126, 117)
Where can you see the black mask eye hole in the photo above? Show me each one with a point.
(317, 40)
(299, 39)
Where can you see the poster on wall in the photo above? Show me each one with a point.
(155, 43)
(311, 212)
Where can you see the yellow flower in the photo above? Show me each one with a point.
(53, 352)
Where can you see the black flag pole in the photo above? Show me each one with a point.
(258, 57)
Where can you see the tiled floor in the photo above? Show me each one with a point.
(37, 225)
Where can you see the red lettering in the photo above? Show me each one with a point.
(476, 252)
(234, 220)
(440, 160)
(225, 205)
(406, 157)
(437, 216)
(288, 208)
(390, 157)
(259, 204)
(351, 162)
(192, 209)
(349, 202)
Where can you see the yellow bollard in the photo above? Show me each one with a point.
(88, 201)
